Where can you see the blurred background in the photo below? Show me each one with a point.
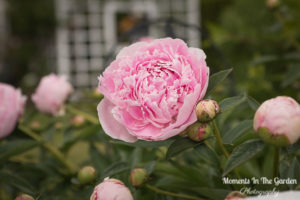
(258, 38)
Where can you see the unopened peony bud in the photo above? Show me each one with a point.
(51, 94)
(277, 121)
(78, 121)
(111, 189)
(24, 197)
(11, 108)
(207, 110)
(58, 125)
(86, 175)
(138, 177)
(198, 131)
(235, 195)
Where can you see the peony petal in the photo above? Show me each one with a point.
(110, 125)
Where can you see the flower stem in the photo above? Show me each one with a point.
(56, 153)
(87, 116)
(276, 162)
(219, 139)
(220, 143)
(157, 190)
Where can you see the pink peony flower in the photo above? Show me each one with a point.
(11, 108)
(277, 121)
(151, 90)
(51, 93)
(111, 189)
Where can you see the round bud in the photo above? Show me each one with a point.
(277, 121)
(78, 121)
(198, 131)
(86, 175)
(138, 177)
(235, 195)
(207, 110)
(24, 197)
(111, 189)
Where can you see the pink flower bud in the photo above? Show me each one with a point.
(138, 177)
(51, 94)
(24, 197)
(198, 131)
(277, 121)
(11, 108)
(86, 174)
(207, 110)
(235, 195)
(111, 189)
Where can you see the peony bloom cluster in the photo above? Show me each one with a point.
(151, 89)
(111, 189)
(11, 108)
(51, 94)
(277, 121)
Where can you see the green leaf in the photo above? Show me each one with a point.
(216, 79)
(17, 181)
(234, 133)
(293, 171)
(16, 147)
(145, 144)
(150, 167)
(243, 153)
(208, 155)
(180, 145)
(80, 135)
(253, 103)
(114, 169)
(292, 75)
(231, 102)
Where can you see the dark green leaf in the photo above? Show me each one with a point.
(243, 153)
(208, 155)
(216, 79)
(293, 171)
(115, 168)
(180, 145)
(252, 103)
(292, 75)
(150, 167)
(230, 136)
(17, 181)
(231, 102)
(81, 134)
(16, 147)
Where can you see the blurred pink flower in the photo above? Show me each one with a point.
(111, 189)
(11, 107)
(151, 90)
(51, 93)
(280, 116)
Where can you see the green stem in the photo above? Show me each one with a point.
(157, 190)
(276, 162)
(87, 116)
(56, 153)
(221, 145)
(219, 139)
